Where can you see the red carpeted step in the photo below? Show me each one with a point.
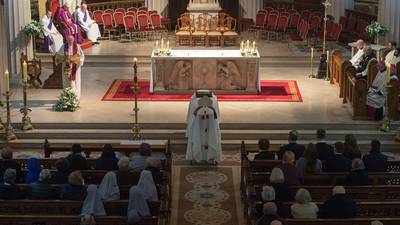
(86, 44)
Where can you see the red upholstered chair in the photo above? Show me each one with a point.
(132, 9)
(272, 23)
(294, 20)
(360, 29)
(269, 9)
(130, 26)
(152, 12)
(259, 25)
(305, 14)
(141, 12)
(122, 10)
(316, 13)
(283, 23)
(263, 11)
(292, 11)
(284, 13)
(143, 25)
(110, 11)
(351, 24)
(155, 20)
(315, 25)
(131, 13)
(143, 8)
(98, 17)
(119, 21)
(335, 34)
(342, 21)
(108, 24)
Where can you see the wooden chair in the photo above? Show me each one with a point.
(230, 33)
(200, 32)
(213, 33)
(109, 27)
(34, 70)
(183, 29)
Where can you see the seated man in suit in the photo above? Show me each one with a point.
(339, 206)
(297, 149)
(324, 150)
(375, 161)
(338, 162)
(264, 154)
(362, 68)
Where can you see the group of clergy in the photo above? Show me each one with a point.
(377, 92)
(67, 41)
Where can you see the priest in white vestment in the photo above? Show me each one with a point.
(356, 59)
(393, 57)
(74, 61)
(88, 25)
(52, 38)
(203, 133)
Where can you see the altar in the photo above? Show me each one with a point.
(222, 71)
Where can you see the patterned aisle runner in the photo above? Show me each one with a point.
(206, 195)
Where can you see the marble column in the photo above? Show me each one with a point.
(160, 5)
(389, 16)
(16, 15)
(249, 9)
(338, 8)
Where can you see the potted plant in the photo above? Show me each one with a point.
(376, 30)
(32, 30)
(67, 101)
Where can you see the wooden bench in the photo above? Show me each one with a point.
(358, 221)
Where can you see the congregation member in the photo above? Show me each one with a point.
(42, 189)
(137, 206)
(34, 169)
(70, 27)
(293, 176)
(75, 60)
(75, 188)
(138, 161)
(92, 206)
(358, 175)
(75, 160)
(351, 149)
(375, 161)
(392, 56)
(154, 165)
(377, 92)
(362, 68)
(324, 149)
(264, 154)
(53, 40)
(124, 176)
(309, 162)
(270, 211)
(8, 189)
(107, 160)
(338, 162)
(60, 176)
(356, 59)
(88, 25)
(7, 162)
(338, 206)
(147, 186)
(268, 195)
(304, 208)
(282, 190)
(108, 188)
(297, 149)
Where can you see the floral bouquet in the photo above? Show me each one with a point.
(67, 101)
(376, 29)
(33, 28)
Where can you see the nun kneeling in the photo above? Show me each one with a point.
(137, 206)
(92, 206)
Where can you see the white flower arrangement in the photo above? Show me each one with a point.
(376, 29)
(34, 29)
(67, 101)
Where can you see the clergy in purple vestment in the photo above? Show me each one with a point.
(70, 27)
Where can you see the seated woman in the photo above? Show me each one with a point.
(137, 206)
(270, 214)
(153, 165)
(34, 169)
(358, 175)
(309, 162)
(293, 176)
(75, 189)
(8, 189)
(107, 160)
(268, 195)
(60, 176)
(42, 189)
(108, 187)
(282, 190)
(303, 208)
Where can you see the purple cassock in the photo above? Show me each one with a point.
(70, 26)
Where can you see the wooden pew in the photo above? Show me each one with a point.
(358, 221)
(337, 66)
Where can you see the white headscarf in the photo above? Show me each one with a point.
(93, 204)
(137, 206)
(147, 186)
(108, 187)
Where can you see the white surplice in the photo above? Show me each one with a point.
(357, 58)
(390, 58)
(52, 34)
(377, 91)
(203, 132)
(90, 26)
(75, 84)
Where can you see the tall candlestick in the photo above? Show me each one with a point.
(135, 69)
(162, 43)
(254, 45)
(248, 45)
(167, 45)
(7, 80)
(312, 53)
(25, 72)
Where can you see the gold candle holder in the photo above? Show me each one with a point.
(136, 127)
(26, 120)
(9, 130)
(1, 125)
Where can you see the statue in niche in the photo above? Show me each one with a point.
(229, 76)
(181, 76)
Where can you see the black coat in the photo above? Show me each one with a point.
(337, 163)
(324, 150)
(73, 192)
(59, 177)
(297, 149)
(10, 192)
(107, 163)
(282, 192)
(375, 161)
(364, 62)
(9, 164)
(357, 178)
(77, 162)
(264, 155)
(338, 206)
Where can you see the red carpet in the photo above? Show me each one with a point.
(271, 91)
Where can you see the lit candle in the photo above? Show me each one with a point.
(312, 53)
(135, 70)
(25, 72)
(156, 45)
(7, 80)
(388, 72)
(327, 56)
(167, 45)
(248, 45)
(162, 43)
